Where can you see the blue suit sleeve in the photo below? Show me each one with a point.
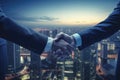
(23, 36)
(102, 30)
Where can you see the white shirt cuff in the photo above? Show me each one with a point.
(48, 46)
(78, 39)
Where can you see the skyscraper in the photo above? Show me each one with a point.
(13, 52)
(88, 69)
(35, 73)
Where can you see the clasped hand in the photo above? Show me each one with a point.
(62, 47)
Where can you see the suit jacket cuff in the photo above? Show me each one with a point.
(78, 39)
(48, 46)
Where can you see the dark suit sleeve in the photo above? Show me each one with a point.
(23, 36)
(102, 30)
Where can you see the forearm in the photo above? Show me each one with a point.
(23, 36)
(102, 30)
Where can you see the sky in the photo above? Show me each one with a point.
(58, 12)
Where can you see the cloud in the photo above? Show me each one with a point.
(46, 18)
(35, 19)
(25, 18)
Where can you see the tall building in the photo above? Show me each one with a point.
(13, 51)
(54, 32)
(35, 66)
(47, 32)
(88, 67)
(107, 58)
(104, 53)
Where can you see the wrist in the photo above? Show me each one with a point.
(77, 39)
(49, 45)
(74, 41)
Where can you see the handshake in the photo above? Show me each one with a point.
(62, 46)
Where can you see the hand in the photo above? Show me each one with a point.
(65, 37)
(64, 42)
(61, 49)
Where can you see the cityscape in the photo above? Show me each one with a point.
(96, 62)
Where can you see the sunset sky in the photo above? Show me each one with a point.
(58, 12)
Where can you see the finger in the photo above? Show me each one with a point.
(70, 47)
(68, 52)
(66, 47)
(63, 36)
(62, 54)
(58, 53)
(59, 36)
(62, 43)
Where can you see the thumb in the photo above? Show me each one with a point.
(59, 36)
(63, 36)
